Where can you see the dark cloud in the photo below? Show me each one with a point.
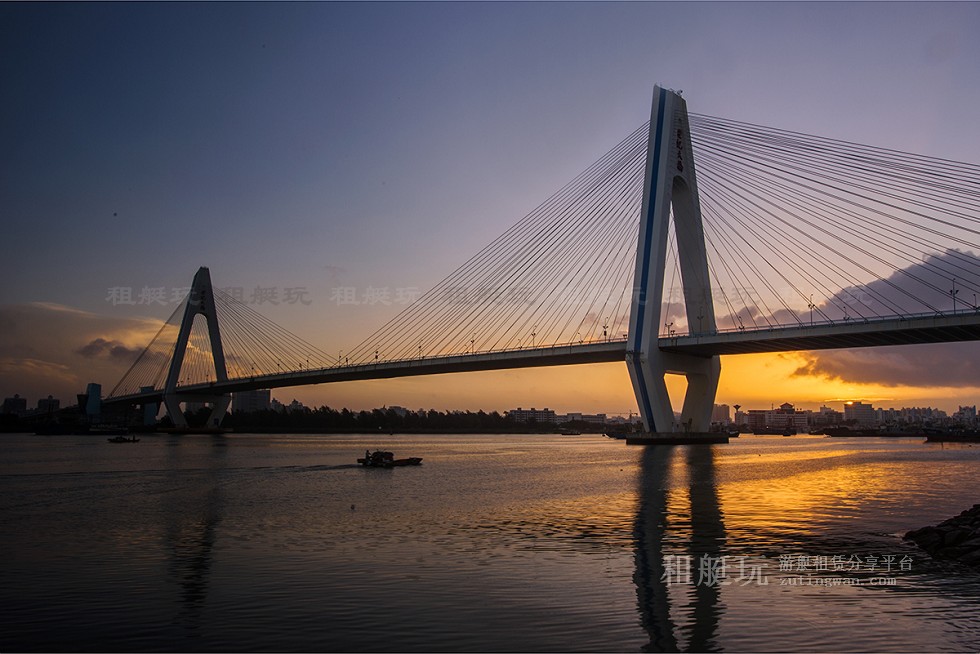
(954, 365)
(938, 365)
(101, 347)
(54, 349)
(921, 287)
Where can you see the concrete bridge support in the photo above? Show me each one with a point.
(670, 183)
(199, 301)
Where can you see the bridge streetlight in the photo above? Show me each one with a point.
(605, 327)
(811, 309)
(952, 294)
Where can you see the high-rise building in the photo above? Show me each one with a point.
(861, 413)
(826, 417)
(16, 405)
(721, 414)
(966, 415)
(93, 401)
(48, 405)
(251, 401)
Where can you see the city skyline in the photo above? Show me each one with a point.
(43, 404)
(318, 147)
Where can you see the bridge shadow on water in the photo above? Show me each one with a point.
(668, 555)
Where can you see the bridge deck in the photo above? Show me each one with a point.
(912, 330)
(890, 331)
(525, 358)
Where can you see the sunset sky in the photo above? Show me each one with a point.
(319, 146)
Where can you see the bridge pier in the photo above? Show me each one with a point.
(670, 183)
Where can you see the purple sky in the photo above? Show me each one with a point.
(320, 145)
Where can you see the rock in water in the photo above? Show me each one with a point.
(956, 539)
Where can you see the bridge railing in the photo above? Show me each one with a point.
(846, 320)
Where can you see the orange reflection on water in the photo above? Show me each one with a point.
(800, 489)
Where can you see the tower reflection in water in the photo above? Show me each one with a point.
(680, 612)
(191, 517)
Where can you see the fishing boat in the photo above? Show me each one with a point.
(123, 439)
(380, 459)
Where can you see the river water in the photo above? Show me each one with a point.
(496, 543)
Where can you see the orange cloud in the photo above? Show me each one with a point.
(52, 349)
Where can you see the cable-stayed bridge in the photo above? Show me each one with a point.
(694, 237)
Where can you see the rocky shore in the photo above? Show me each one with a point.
(955, 539)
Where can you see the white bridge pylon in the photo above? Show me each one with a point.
(200, 300)
(670, 182)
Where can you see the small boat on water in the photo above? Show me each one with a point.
(123, 439)
(380, 459)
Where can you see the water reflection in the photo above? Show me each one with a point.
(664, 550)
(192, 516)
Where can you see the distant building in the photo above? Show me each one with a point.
(886, 416)
(966, 415)
(48, 405)
(279, 407)
(296, 405)
(595, 418)
(15, 405)
(93, 401)
(826, 417)
(721, 414)
(150, 409)
(922, 415)
(859, 412)
(527, 415)
(251, 401)
(786, 417)
(193, 407)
